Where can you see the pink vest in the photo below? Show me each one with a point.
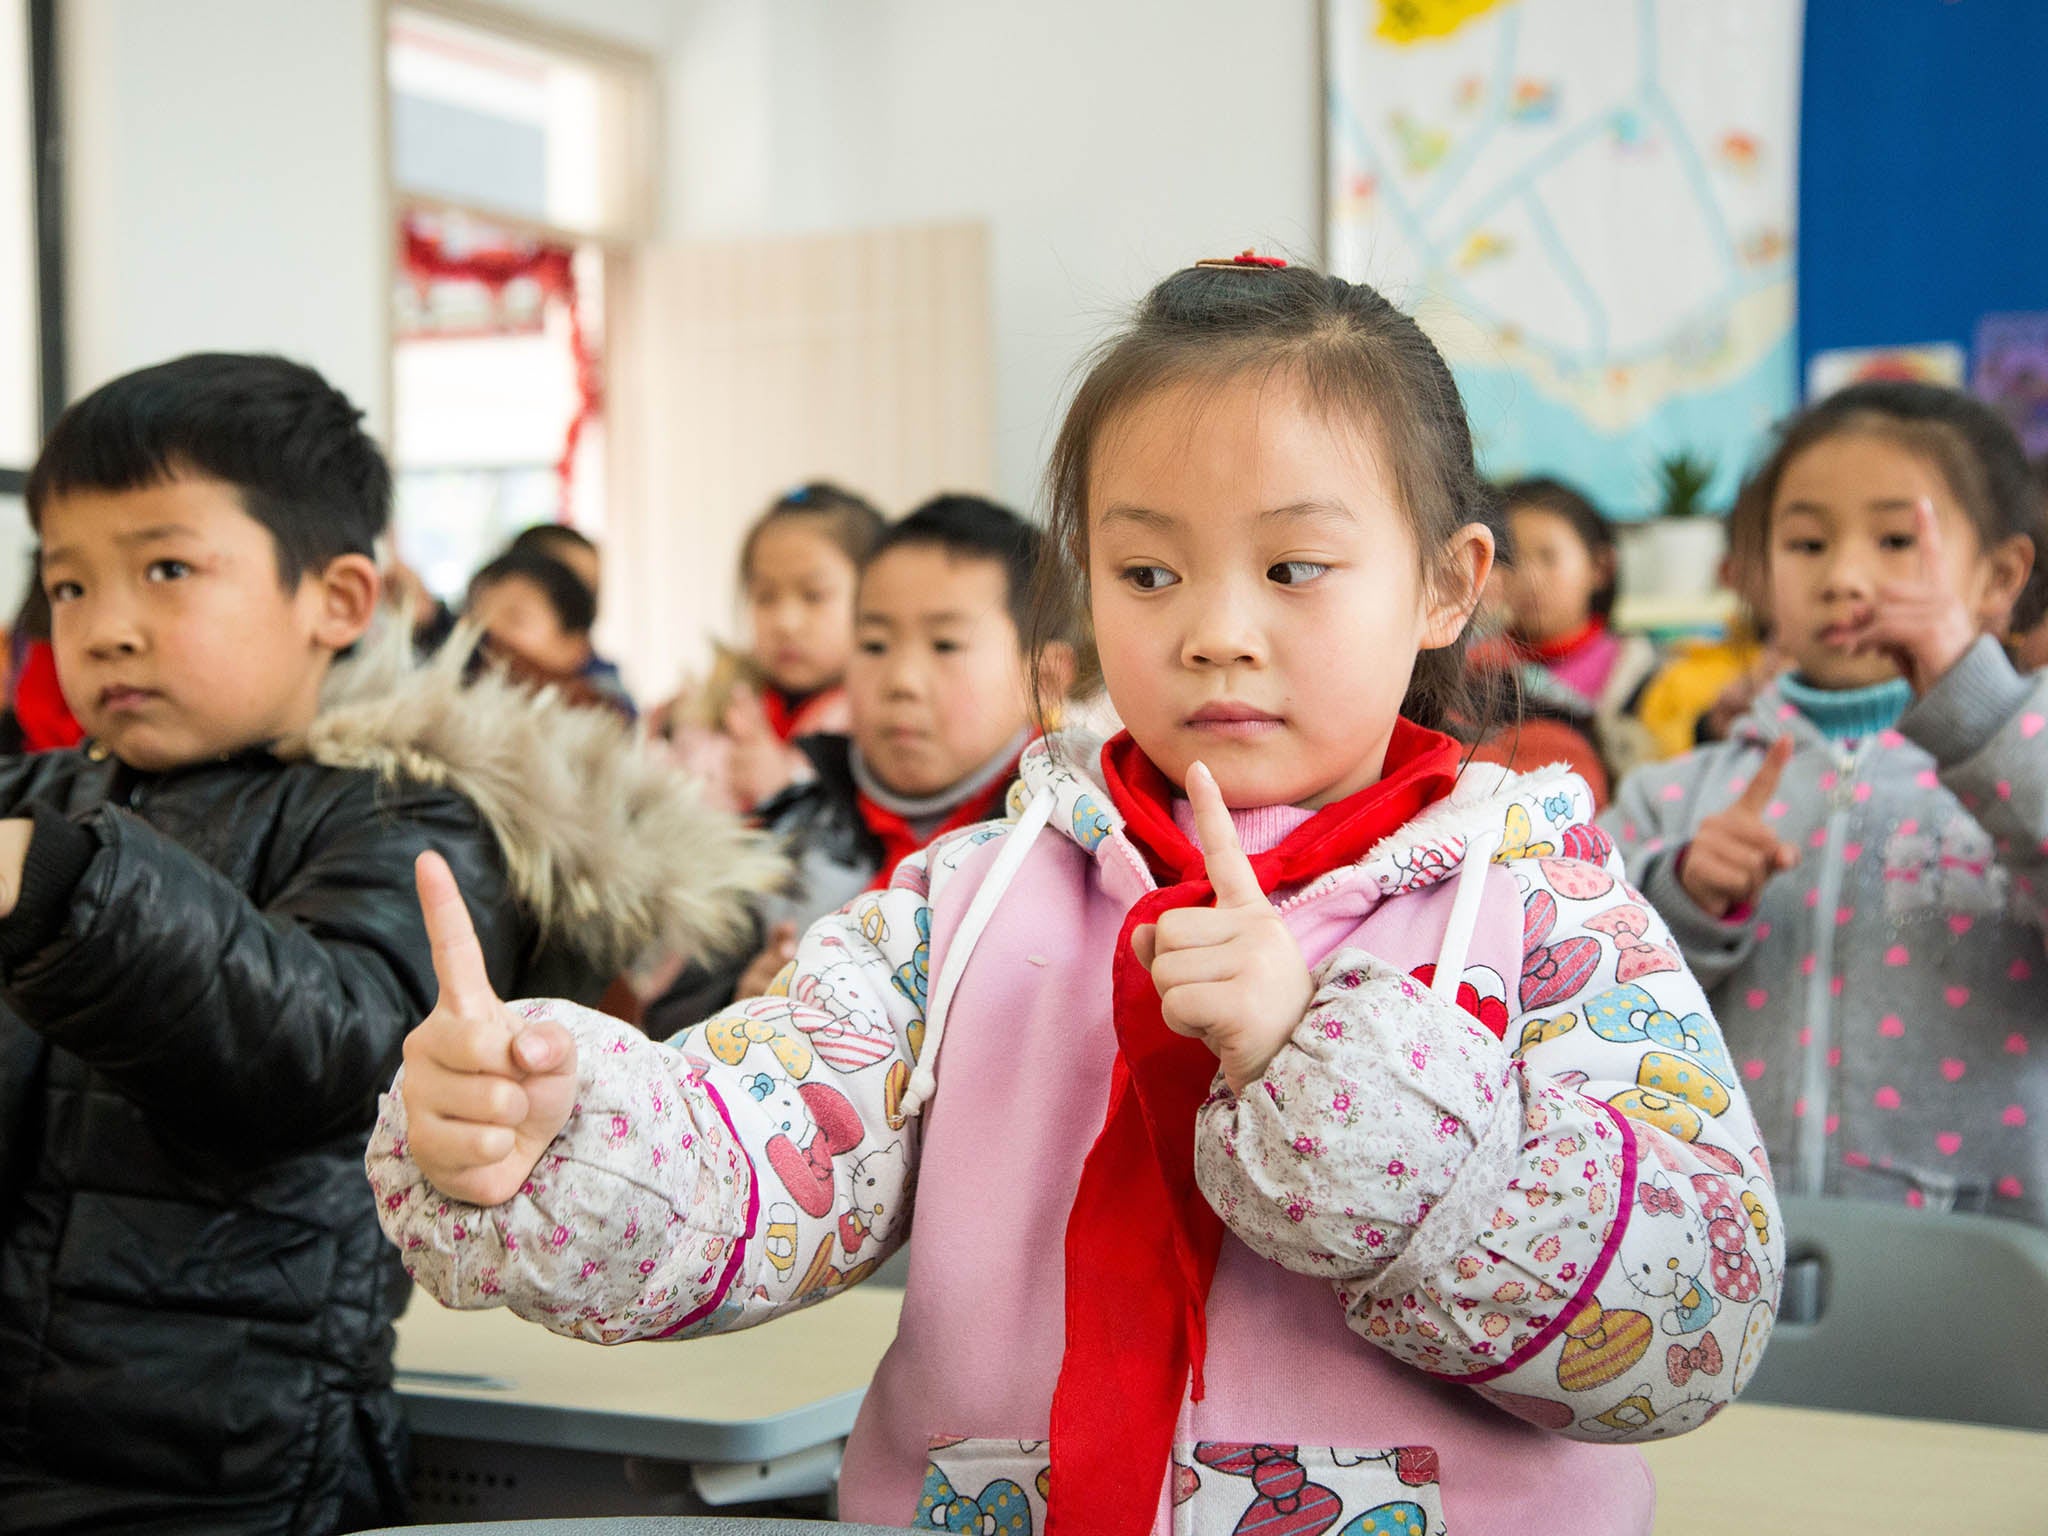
(1022, 1090)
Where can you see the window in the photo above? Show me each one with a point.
(520, 161)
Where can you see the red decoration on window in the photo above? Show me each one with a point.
(426, 259)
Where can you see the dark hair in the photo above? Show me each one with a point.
(1356, 356)
(290, 443)
(1973, 447)
(1542, 494)
(847, 519)
(574, 604)
(545, 538)
(2031, 606)
(974, 528)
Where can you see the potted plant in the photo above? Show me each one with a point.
(1680, 553)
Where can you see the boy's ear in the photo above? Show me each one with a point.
(1461, 577)
(346, 597)
(2011, 563)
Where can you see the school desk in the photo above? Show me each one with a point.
(783, 1396)
(1815, 1472)
(758, 1414)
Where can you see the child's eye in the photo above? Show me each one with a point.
(1294, 573)
(873, 648)
(65, 591)
(946, 647)
(168, 570)
(1898, 541)
(1803, 546)
(1149, 578)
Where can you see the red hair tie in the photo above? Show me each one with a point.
(1244, 258)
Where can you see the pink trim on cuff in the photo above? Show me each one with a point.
(1626, 1199)
(739, 1248)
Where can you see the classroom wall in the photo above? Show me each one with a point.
(224, 186)
(1103, 144)
(226, 179)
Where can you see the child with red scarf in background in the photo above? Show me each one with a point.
(37, 719)
(1307, 1131)
(940, 695)
(1560, 589)
(735, 730)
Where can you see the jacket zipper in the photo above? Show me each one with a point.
(1810, 1140)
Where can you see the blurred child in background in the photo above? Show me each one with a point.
(1859, 873)
(735, 730)
(942, 705)
(536, 615)
(1561, 592)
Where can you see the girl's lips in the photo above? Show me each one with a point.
(1844, 634)
(116, 700)
(1232, 721)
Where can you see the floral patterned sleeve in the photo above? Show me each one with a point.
(1577, 1221)
(759, 1162)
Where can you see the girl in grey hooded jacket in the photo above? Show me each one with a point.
(1859, 874)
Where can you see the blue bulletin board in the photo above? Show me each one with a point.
(1923, 169)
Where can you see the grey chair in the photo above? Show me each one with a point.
(643, 1525)
(1918, 1315)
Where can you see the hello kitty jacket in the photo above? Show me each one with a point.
(1884, 997)
(1481, 1231)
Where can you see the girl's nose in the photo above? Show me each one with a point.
(1222, 634)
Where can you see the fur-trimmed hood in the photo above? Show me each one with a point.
(612, 850)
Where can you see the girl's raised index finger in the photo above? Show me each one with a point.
(458, 958)
(1230, 872)
(1927, 540)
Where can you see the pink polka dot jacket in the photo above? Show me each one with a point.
(1886, 1003)
(1495, 1211)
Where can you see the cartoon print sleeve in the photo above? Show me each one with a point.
(1653, 817)
(1982, 722)
(1578, 1222)
(756, 1163)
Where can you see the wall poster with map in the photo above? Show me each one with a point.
(1590, 205)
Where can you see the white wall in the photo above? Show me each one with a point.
(1105, 142)
(226, 181)
(225, 186)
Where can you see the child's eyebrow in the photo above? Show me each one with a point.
(1309, 512)
(929, 620)
(53, 553)
(155, 535)
(1141, 517)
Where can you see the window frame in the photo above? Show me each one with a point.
(643, 148)
(46, 150)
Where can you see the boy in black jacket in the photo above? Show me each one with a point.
(209, 955)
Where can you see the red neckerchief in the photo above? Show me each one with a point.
(1563, 645)
(783, 710)
(899, 841)
(1133, 1332)
(46, 721)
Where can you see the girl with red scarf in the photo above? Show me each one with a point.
(1561, 589)
(1307, 1133)
(737, 731)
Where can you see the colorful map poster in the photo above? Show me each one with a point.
(1590, 206)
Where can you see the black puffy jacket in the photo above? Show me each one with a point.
(195, 1299)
